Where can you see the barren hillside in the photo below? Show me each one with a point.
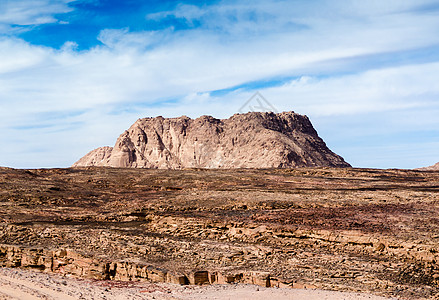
(339, 229)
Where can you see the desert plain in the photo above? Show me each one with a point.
(337, 229)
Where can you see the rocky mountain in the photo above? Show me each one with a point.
(434, 167)
(251, 140)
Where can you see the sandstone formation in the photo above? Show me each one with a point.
(65, 261)
(434, 167)
(251, 140)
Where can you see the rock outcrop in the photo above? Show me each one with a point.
(251, 140)
(67, 262)
(434, 167)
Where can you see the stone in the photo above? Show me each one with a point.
(157, 275)
(95, 157)
(199, 278)
(227, 278)
(251, 140)
(177, 279)
(434, 167)
(258, 278)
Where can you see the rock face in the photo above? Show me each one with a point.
(67, 262)
(95, 157)
(251, 140)
(434, 167)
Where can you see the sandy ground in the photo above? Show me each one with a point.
(29, 285)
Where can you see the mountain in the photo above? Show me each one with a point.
(434, 167)
(251, 140)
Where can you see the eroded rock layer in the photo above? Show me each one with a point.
(252, 140)
(332, 228)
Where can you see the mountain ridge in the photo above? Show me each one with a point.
(251, 140)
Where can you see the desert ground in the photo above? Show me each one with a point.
(219, 233)
(30, 285)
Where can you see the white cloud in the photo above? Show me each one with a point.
(394, 88)
(16, 56)
(30, 12)
(124, 40)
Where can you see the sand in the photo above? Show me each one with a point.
(30, 285)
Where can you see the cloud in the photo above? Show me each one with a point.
(125, 40)
(380, 90)
(16, 14)
(238, 18)
(231, 18)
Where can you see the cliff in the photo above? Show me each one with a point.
(251, 140)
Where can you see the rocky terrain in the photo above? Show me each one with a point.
(27, 285)
(251, 140)
(339, 229)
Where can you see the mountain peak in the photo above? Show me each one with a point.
(250, 140)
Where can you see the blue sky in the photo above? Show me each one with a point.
(76, 74)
